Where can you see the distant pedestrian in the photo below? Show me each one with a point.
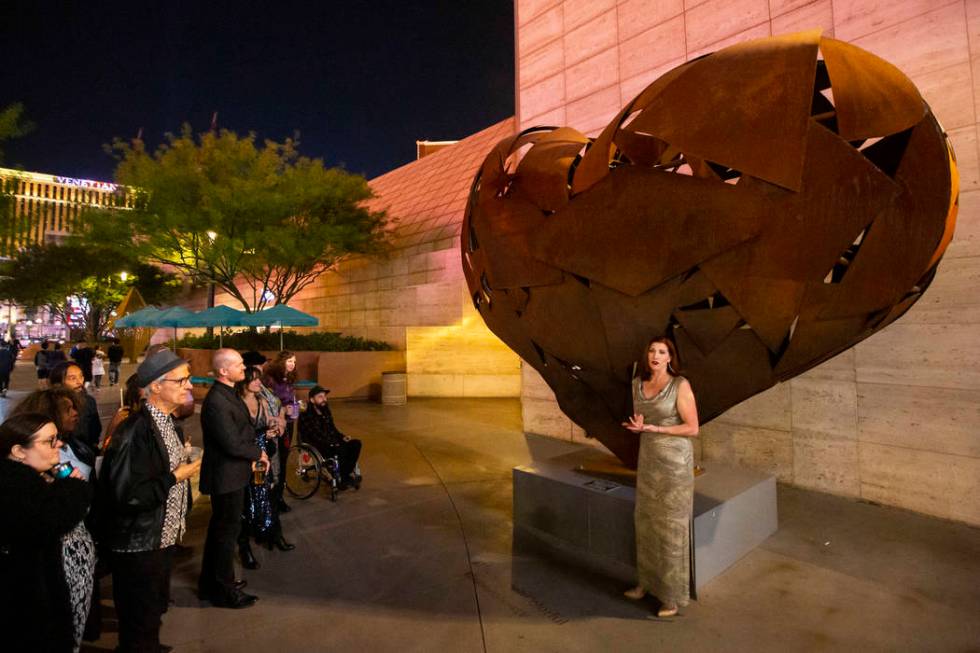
(83, 356)
(55, 355)
(98, 368)
(8, 356)
(115, 356)
(41, 365)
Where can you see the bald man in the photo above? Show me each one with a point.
(230, 454)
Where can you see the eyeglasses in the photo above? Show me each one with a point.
(181, 381)
(52, 441)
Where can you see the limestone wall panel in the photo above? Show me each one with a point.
(931, 419)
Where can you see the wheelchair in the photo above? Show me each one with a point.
(307, 468)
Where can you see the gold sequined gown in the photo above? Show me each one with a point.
(664, 498)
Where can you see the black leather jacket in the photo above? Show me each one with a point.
(134, 484)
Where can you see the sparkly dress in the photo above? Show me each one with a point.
(664, 498)
(260, 520)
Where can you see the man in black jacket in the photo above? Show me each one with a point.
(230, 454)
(145, 485)
(83, 356)
(316, 427)
(115, 355)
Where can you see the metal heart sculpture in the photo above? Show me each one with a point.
(768, 206)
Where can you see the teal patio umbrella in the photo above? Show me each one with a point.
(175, 316)
(281, 315)
(218, 316)
(138, 318)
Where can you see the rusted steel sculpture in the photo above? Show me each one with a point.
(769, 205)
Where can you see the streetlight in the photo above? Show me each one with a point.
(124, 275)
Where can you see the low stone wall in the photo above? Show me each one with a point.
(357, 374)
(347, 374)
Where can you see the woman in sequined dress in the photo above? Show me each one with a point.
(665, 416)
(260, 518)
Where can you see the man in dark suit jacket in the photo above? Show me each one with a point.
(230, 454)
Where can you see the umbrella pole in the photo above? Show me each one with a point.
(221, 337)
(280, 337)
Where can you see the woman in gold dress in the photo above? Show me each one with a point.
(666, 418)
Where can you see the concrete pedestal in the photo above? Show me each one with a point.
(580, 506)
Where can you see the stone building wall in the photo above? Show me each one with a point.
(894, 420)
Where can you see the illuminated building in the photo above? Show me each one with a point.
(38, 208)
(42, 208)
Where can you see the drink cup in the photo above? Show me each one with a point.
(258, 474)
(62, 470)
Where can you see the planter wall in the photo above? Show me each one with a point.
(357, 374)
(347, 374)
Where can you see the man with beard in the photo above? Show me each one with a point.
(230, 455)
(316, 427)
(70, 376)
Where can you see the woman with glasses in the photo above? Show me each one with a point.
(46, 554)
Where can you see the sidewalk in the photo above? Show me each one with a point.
(421, 559)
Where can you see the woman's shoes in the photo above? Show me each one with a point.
(667, 610)
(248, 559)
(282, 544)
(635, 594)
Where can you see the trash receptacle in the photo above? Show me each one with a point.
(394, 388)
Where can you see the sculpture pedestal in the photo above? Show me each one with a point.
(580, 506)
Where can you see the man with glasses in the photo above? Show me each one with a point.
(145, 486)
(230, 454)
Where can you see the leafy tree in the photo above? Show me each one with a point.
(12, 123)
(261, 222)
(51, 275)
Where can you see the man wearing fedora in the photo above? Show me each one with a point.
(145, 487)
(230, 454)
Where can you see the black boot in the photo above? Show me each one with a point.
(245, 552)
(282, 507)
(283, 545)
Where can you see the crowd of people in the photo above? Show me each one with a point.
(78, 504)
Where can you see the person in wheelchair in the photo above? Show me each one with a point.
(317, 428)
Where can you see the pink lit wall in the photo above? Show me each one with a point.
(894, 420)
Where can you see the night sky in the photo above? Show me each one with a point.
(360, 81)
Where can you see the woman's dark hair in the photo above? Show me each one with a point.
(44, 344)
(20, 429)
(57, 345)
(132, 395)
(58, 372)
(49, 403)
(276, 370)
(251, 373)
(673, 368)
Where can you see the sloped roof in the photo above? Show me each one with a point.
(427, 197)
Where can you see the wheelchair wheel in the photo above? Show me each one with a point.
(303, 471)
